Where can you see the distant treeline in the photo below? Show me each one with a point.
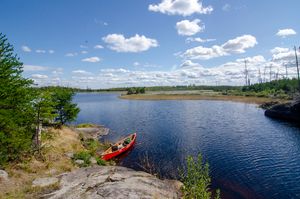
(161, 88)
(286, 85)
(282, 88)
(192, 87)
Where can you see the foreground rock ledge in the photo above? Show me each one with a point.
(114, 182)
(289, 111)
(93, 132)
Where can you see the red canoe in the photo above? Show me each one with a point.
(120, 147)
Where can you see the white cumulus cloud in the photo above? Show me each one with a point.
(233, 46)
(71, 54)
(136, 63)
(40, 51)
(83, 46)
(91, 59)
(286, 32)
(81, 72)
(39, 76)
(180, 7)
(35, 68)
(137, 43)
(98, 47)
(239, 44)
(188, 28)
(278, 50)
(198, 39)
(283, 54)
(26, 49)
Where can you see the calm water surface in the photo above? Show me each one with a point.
(250, 155)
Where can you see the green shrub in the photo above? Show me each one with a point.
(47, 135)
(91, 145)
(196, 180)
(136, 90)
(83, 155)
(100, 161)
(85, 125)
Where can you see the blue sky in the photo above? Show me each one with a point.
(102, 44)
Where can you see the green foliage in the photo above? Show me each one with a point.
(283, 88)
(130, 91)
(65, 109)
(22, 107)
(44, 107)
(196, 179)
(135, 90)
(101, 162)
(85, 125)
(91, 145)
(83, 155)
(16, 113)
(142, 90)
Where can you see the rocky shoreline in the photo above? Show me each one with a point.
(287, 111)
(107, 181)
(93, 132)
(68, 180)
(113, 182)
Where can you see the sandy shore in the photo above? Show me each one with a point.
(252, 100)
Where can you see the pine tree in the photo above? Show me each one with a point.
(65, 109)
(44, 110)
(16, 117)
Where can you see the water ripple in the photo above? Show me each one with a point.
(250, 156)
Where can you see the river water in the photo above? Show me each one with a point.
(250, 155)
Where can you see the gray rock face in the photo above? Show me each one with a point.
(93, 132)
(3, 175)
(288, 111)
(79, 162)
(114, 182)
(69, 154)
(44, 182)
(93, 160)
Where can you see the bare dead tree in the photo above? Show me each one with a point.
(297, 65)
(259, 76)
(270, 72)
(265, 73)
(246, 73)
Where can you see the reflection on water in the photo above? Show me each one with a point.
(250, 156)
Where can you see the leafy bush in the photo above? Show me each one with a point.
(196, 180)
(91, 145)
(85, 125)
(135, 90)
(100, 161)
(83, 155)
(64, 108)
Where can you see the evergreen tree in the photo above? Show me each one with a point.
(65, 109)
(44, 110)
(16, 117)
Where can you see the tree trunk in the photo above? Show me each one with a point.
(38, 130)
